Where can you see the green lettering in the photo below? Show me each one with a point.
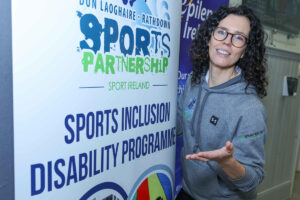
(87, 59)
(99, 63)
(147, 60)
(131, 65)
(139, 65)
(154, 65)
(165, 63)
(125, 64)
(119, 61)
(110, 61)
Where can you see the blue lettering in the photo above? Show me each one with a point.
(83, 169)
(99, 123)
(164, 44)
(147, 117)
(107, 112)
(88, 3)
(95, 164)
(157, 112)
(124, 150)
(102, 159)
(126, 30)
(128, 117)
(92, 29)
(138, 147)
(144, 144)
(49, 176)
(115, 151)
(153, 118)
(34, 168)
(156, 33)
(72, 174)
(110, 33)
(162, 112)
(90, 133)
(167, 114)
(123, 119)
(164, 139)
(140, 116)
(131, 149)
(90, 162)
(107, 156)
(114, 129)
(157, 142)
(150, 143)
(134, 122)
(69, 128)
(142, 42)
(79, 125)
(59, 173)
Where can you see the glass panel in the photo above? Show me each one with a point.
(283, 15)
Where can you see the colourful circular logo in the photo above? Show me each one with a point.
(156, 183)
(155, 187)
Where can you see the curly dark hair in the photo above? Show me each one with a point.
(253, 63)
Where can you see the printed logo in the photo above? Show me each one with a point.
(214, 120)
(188, 111)
(132, 37)
(123, 47)
(155, 183)
(251, 136)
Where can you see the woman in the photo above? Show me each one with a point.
(219, 112)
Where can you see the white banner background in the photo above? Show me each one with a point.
(49, 84)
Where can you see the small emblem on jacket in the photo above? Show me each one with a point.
(188, 111)
(214, 120)
(252, 135)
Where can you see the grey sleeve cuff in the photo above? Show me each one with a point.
(248, 181)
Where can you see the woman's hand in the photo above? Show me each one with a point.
(224, 157)
(218, 155)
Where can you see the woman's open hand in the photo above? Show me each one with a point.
(216, 155)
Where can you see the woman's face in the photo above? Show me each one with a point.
(223, 54)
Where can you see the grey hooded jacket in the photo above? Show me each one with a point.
(207, 118)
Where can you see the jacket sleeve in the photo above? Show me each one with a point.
(249, 143)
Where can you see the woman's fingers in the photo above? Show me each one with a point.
(229, 147)
(196, 157)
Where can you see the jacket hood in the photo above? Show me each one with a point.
(235, 85)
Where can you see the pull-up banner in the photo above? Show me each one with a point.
(94, 86)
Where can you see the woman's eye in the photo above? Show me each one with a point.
(222, 32)
(239, 37)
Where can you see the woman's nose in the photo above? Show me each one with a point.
(227, 40)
